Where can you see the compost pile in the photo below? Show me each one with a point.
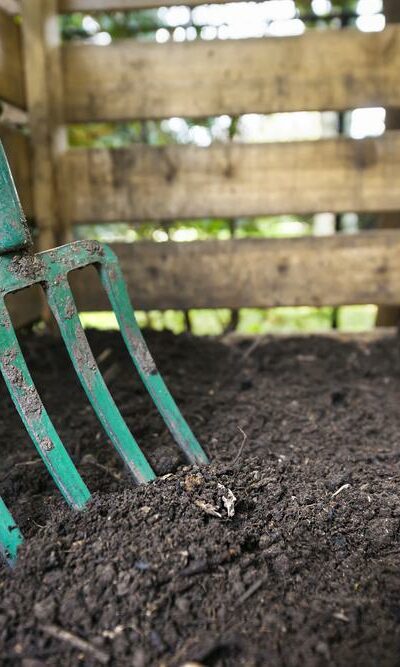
(285, 551)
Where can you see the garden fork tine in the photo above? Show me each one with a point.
(20, 268)
(114, 284)
(10, 536)
(35, 418)
(62, 304)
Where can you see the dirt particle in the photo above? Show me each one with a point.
(92, 247)
(142, 353)
(27, 265)
(45, 609)
(69, 308)
(193, 481)
(46, 444)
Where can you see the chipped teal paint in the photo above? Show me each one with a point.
(10, 537)
(114, 284)
(33, 414)
(50, 269)
(14, 233)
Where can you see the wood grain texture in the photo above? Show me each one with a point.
(319, 70)
(12, 83)
(390, 315)
(315, 271)
(18, 151)
(230, 180)
(67, 6)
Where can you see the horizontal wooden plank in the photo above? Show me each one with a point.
(148, 183)
(25, 307)
(18, 151)
(68, 6)
(12, 86)
(316, 71)
(314, 271)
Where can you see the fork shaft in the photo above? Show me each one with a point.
(62, 304)
(10, 537)
(35, 418)
(114, 284)
(14, 233)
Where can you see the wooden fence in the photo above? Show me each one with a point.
(56, 84)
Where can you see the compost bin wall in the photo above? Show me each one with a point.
(47, 84)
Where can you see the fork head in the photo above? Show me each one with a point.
(20, 269)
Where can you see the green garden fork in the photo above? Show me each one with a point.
(21, 268)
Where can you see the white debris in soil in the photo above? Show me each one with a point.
(228, 500)
(208, 508)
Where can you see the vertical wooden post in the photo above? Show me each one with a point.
(390, 315)
(44, 87)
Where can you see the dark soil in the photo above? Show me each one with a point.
(305, 573)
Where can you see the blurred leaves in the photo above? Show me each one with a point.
(119, 25)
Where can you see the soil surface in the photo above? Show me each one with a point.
(304, 435)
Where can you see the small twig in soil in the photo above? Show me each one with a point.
(341, 616)
(76, 642)
(107, 352)
(208, 565)
(340, 489)
(22, 464)
(111, 373)
(252, 589)
(88, 459)
(238, 362)
(241, 448)
(208, 508)
(247, 353)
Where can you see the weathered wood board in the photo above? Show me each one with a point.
(12, 86)
(44, 95)
(18, 150)
(315, 271)
(319, 70)
(148, 183)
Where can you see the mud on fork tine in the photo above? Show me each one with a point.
(19, 269)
